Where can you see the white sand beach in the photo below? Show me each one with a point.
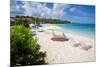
(65, 51)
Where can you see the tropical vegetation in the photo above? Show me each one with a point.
(25, 49)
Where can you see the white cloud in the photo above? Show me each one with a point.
(12, 7)
(30, 8)
(41, 10)
(80, 12)
(58, 10)
(16, 9)
(36, 9)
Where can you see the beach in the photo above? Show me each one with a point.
(65, 52)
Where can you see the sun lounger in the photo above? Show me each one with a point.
(40, 30)
(82, 45)
(86, 47)
(59, 37)
(77, 44)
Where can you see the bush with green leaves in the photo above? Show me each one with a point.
(25, 49)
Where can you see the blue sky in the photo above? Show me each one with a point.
(74, 13)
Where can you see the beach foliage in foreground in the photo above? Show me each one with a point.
(25, 49)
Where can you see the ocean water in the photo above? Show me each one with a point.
(79, 29)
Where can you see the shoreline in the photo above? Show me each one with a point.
(80, 34)
(71, 32)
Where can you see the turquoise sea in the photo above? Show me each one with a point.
(79, 29)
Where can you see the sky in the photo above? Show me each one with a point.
(84, 14)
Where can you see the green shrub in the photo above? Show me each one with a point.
(25, 48)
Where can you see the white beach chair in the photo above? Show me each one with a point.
(77, 44)
(82, 45)
(59, 37)
(86, 47)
